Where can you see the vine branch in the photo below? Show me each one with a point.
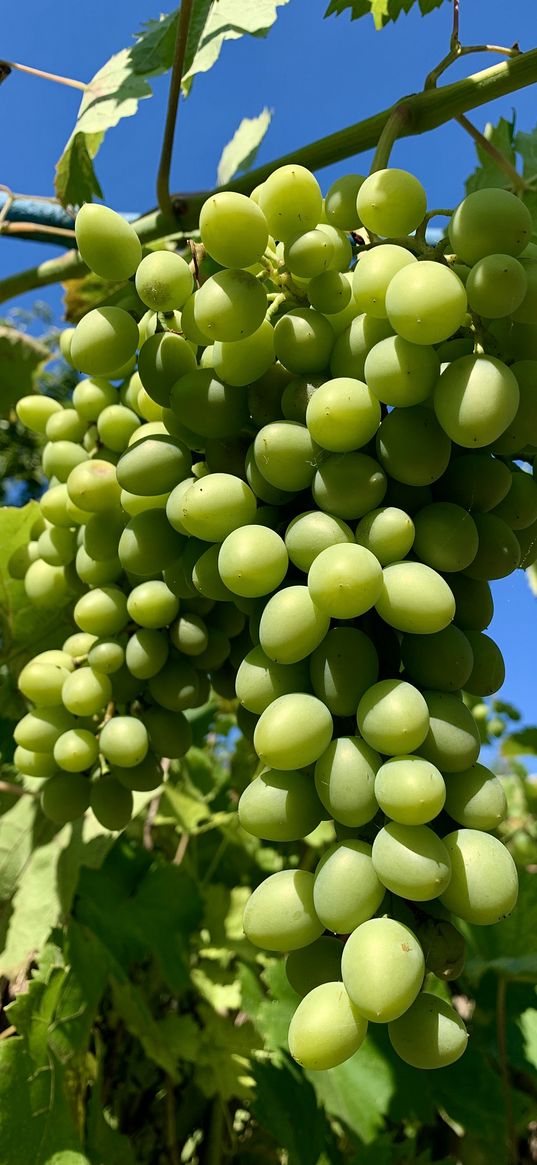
(163, 177)
(456, 50)
(7, 66)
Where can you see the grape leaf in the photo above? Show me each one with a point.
(21, 358)
(509, 949)
(153, 51)
(382, 11)
(523, 743)
(286, 1106)
(76, 181)
(240, 153)
(488, 173)
(215, 21)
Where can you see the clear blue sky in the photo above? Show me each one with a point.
(317, 75)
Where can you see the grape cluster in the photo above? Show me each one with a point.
(292, 481)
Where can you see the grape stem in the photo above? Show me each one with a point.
(456, 50)
(503, 163)
(164, 198)
(399, 117)
(7, 66)
(15, 790)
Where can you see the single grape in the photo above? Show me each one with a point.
(216, 505)
(280, 915)
(163, 281)
(387, 532)
(280, 806)
(176, 686)
(401, 373)
(111, 803)
(443, 660)
(475, 400)
(241, 362)
(65, 797)
(86, 692)
(326, 1028)
(496, 286)
(430, 1034)
(382, 968)
(411, 861)
(488, 670)
(342, 668)
(342, 415)
(233, 229)
(107, 243)
(415, 599)
(412, 446)
(426, 302)
(488, 221)
(443, 946)
(476, 481)
(498, 553)
(345, 780)
(340, 202)
(291, 201)
(484, 884)
(101, 611)
(391, 202)
(452, 742)
(292, 625)
(76, 750)
(293, 731)
(476, 798)
(303, 341)
(260, 680)
(230, 305)
(35, 411)
(253, 560)
(354, 341)
(310, 533)
(410, 790)
(345, 581)
(348, 485)
(347, 890)
(392, 717)
(285, 454)
(34, 764)
(104, 339)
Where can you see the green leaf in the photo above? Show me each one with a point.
(286, 1106)
(215, 21)
(523, 743)
(509, 948)
(488, 173)
(113, 93)
(21, 358)
(240, 153)
(359, 1091)
(382, 11)
(155, 44)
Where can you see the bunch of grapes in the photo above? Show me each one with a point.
(293, 482)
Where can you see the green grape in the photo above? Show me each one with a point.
(342, 257)
(189, 634)
(412, 447)
(76, 750)
(488, 671)
(148, 544)
(104, 339)
(101, 539)
(308, 254)
(230, 305)
(340, 202)
(391, 202)
(86, 692)
(39, 730)
(476, 481)
(124, 741)
(152, 604)
(213, 409)
(206, 576)
(442, 661)
(519, 507)
(259, 680)
(292, 625)
(484, 882)
(65, 797)
(411, 861)
(42, 681)
(296, 397)
(410, 790)
(326, 1028)
(310, 533)
(176, 686)
(93, 487)
(303, 341)
(330, 292)
(102, 611)
(233, 229)
(285, 454)
(373, 274)
(388, 533)
(392, 717)
(415, 599)
(57, 507)
(106, 655)
(153, 465)
(214, 656)
(382, 968)
(523, 429)
(65, 425)
(345, 581)
(35, 411)
(142, 777)
(475, 399)
(426, 302)
(146, 653)
(345, 780)
(475, 798)
(525, 313)
(169, 732)
(430, 1034)
(90, 397)
(147, 408)
(163, 281)
(498, 552)
(342, 415)
(342, 668)
(116, 425)
(280, 806)
(348, 485)
(239, 362)
(60, 457)
(94, 573)
(320, 962)
(474, 605)
(253, 561)
(446, 536)
(217, 504)
(78, 645)
(111, 803)
(260, 486)
(452, 742)
(107, 243)
(487, 221)
(293, 731)
(347, 890)
(400, 373)
(45, 585)
(496, 286)
(280, 915)
(291, 201)
(226, 617)
(57, 656)
(174, 504)
(443, 946)
(354, 343)
(163, 359)
(21, 559)
(57, 546)
(34, 764)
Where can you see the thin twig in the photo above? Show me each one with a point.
(8, 1031)
(163, 176)
(503, 163)
(455, 42)
(15, 790)
(70, 81)
(148, 823)
(25, 228)
(504, 1069)
(181, 849)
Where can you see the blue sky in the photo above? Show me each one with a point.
(317, 76)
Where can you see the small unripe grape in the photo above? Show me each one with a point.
(163, 281)
(107, 243)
